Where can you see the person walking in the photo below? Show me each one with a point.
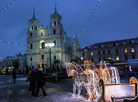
(20, 72)
(6, 71)
(33, 81)
(14, 76)
(40, 82)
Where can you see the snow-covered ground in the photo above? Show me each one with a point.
(51, 97)
(56, 92)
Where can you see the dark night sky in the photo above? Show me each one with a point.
(113, 20)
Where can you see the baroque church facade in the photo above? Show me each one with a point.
(45, 45)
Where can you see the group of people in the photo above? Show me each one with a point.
(37, 81)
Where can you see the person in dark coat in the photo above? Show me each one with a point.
(33, 81)
(20, 72)
(40, 82)
(6, 71)
(14, 76)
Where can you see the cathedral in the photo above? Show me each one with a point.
(48, 45)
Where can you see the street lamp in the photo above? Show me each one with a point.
(50, 45)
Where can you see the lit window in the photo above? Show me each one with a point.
(109, 57)
(125, 50)
(92, 53)
(132, 50)
(117, 58)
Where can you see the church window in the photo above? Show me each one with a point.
(55, 23)
(43, 45)
(30, 59)
(54, 57)
(31, 46)
(54, 42)
(32, 28)
(31, 34)
(42, 57)
(54, 31)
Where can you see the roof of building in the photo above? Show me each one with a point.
(33, 18)
(71, 39)
(114, 43)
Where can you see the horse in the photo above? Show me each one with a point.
(83, 78)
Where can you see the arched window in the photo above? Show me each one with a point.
(32, 28)
(55, 23)
(54, 43)
(31, 34)
(54, 31)
(31, 46)
(42, 56)
(43, 45)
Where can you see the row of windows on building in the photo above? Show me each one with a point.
(43, 45)
(42, 58)
(125, 51)
(117, 58)
(54, 32)
(20, 63)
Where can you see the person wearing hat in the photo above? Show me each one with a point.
(40, 82)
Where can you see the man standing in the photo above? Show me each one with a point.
(33, 81)
(40, 82)
(14, 76)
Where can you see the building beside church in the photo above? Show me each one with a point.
(122, 52)
(45, 45)
(17, 61)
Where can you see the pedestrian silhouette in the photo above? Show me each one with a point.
(20, 72)
(6, 71)
(33, 81)
(40, 82)
(14, 76)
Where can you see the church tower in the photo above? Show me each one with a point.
(33, 23)
(56, 26)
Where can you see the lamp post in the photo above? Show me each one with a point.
(50, 45)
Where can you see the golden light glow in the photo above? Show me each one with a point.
(92, 53)
(125, 50)
(117, 58)
(132, 50)
(109, 57)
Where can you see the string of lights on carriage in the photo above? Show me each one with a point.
(83, 29)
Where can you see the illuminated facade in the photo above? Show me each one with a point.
(120, 51)
(46, 45)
